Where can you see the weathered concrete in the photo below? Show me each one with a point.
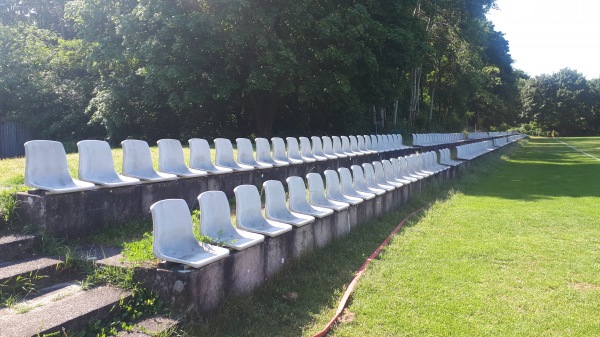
(13, 246)
(324, 229)
(38, 266)
(71, 312)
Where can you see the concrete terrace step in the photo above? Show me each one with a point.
(67, 308)
(15, 245)
(46, 295)
(35, 266)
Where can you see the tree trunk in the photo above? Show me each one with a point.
(415, 95)
(396, 112)
(264, 107)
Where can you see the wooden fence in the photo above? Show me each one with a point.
(12, 137)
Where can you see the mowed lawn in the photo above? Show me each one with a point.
(590, 145)
(515, 254)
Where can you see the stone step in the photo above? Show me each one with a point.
(66, 308)
(14, 246)
(34, 268)
(151, 326)
(46, 295)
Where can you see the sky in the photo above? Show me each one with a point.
(545, 36)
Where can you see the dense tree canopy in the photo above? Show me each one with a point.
(564, 101)
(205, 68)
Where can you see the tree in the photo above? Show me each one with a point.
(43, 82)
(562, 101)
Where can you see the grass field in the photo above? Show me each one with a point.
(514, 251)
(590, 145)
(517, 254)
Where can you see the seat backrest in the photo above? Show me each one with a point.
(404, 167)
(317, 146)
(361, 143)
(354, 144)
(305, 148)
(45, 163)
(95, 160)
(381, 143)
(279, 152)
(263, 150)
(388, 170)
(215, 219)
(359, 177)
(337, 145)
(370, 179)
(293, 150)
(327, 145)
(245, 152)
(136, 157)
(375, 143)
(170, 155)
(346, 182)
(200, 154)
(346, 145)
(172, 226)
(224, 152)
(368, 144)
(396, 168)
(275, 201)
(316, 189)
(296, 192)
(248, 208)
(378, 170)
(332, 185)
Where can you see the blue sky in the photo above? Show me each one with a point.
(547, 35)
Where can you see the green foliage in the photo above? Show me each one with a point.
(44, 83)
(15, 288)
(8, 207)
(120, 69)
(143, 303)
(139, 250)
(563, 101)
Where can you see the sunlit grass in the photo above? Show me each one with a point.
(590, 145)
(515, 255)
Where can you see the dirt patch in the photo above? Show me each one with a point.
(346, 317)
(584, 286)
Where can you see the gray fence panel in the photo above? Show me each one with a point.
(12, 137)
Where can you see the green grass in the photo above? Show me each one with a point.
(517, 254)
(590, 145)
(512, 250)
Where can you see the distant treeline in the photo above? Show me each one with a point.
(152, 69)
